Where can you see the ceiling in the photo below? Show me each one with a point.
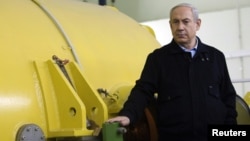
(147, 10)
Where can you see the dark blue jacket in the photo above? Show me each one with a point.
(192, 92)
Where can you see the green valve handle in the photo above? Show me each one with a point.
(113, 132)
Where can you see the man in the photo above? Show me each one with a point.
(191, 81)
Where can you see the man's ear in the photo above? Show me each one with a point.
(198, 24)
(170, 23)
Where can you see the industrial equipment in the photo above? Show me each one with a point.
(66, 67)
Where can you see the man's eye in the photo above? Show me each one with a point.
(186, 22)
(175, 22)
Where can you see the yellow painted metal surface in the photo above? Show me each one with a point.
(247, 98)
(104, 47)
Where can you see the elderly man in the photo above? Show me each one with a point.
(191, 80)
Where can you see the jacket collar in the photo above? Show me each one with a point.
(174, 47)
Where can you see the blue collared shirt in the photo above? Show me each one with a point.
(192, 51)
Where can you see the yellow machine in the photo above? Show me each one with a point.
(65, 64)
(66, 67)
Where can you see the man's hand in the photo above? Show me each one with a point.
(122, 120)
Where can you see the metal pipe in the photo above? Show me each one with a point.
(59, 27)
(240, 80)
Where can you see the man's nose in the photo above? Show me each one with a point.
(180, 26)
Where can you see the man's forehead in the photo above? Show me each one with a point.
(181, 19)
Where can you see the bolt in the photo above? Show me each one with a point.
(28, 129)
(36, 129)
(42, 137)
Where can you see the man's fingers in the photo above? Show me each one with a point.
(124, 121)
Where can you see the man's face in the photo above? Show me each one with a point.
(183, 26)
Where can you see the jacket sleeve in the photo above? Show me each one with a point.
(143, 91)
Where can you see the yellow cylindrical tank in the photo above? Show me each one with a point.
(56, 56)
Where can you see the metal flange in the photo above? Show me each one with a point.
(30, 132)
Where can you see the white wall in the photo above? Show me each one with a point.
(226, 30)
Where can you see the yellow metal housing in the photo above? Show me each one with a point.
(99, 48)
